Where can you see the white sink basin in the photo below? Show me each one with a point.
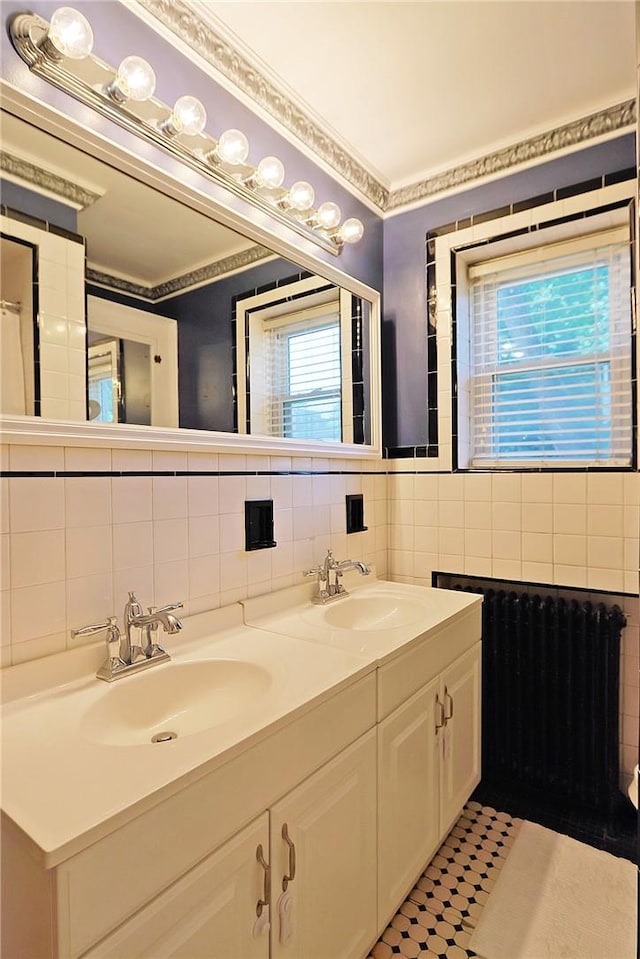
(174, 700)
(368, 612)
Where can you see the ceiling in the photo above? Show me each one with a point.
(412, 89)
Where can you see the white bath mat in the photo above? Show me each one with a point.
(556, 898)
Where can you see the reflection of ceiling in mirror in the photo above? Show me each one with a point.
(130, 228)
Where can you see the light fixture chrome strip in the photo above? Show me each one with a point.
(43, 179)
(97, 85)
(234, 263)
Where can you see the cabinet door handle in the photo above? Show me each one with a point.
(439, 723)
(267, 881)
(292, 858)
(449, 715)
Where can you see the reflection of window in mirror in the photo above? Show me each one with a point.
(303, 375)
(17, 331)
(301, 345)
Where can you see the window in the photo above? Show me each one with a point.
(550, 355)
(303, 371)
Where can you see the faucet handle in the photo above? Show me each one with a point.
(165, 609)
(109, 625)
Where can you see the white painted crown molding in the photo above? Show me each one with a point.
(615, 119)
(234, 263)
(20, 169)
(247, 76)
(217, 50)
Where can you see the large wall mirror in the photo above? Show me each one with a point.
(123, 305)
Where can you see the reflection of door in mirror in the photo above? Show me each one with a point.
(105, 385)
(17, 346)
(133, 376)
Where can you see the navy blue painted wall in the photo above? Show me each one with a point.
(206, 343)
(35, 204)
(404, 349)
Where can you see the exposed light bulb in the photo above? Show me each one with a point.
(270, 173)
(188, 116)
(70, 33)
(233, 147)
(135, 80)
(328, 215)
(301, 196)
(351, 230)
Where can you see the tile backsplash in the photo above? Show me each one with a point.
(80, 528)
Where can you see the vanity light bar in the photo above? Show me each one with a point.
(60, 52)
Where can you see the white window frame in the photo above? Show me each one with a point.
(461, 243)
(261, 310)
(477, 382)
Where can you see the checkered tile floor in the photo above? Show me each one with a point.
(438, 917)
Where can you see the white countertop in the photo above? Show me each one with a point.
(59, 784)
(387, 617)
(69, 776)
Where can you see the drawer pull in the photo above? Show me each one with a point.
(267, 881)
(292, 858)
(449, 715)
(439, 706)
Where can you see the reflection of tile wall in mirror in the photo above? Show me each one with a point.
(144, 252)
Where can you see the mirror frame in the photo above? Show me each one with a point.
(37, 430)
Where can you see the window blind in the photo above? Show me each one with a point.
(550, 346)
(303, 373)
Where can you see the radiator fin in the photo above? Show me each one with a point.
(550, 696)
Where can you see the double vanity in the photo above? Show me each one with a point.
(272, 791)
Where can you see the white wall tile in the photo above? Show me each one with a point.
(204, 575)
(131, 460)
(605, 488)
(131, 498)
(505, 545)
(537, 488)
(605, 520)
(169, 497)
(90, 599)
(232, 494)
(171, 583)
(36, 458)
(170, 540)
(204, 535)
(38, 611)
(570, 518)
(36, 503)
(605, 551)
(537, 517)
(132, 545)
(138, 580)
(83, 459)
(570, 488)
(570, 550)
(537, 547)
(506, 487)
(202, 495)
(506, 516)
(231, 532)
(36, 558)
(87, 501)
(89, 550)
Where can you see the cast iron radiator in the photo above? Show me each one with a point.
(550, 696)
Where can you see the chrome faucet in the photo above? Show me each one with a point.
(326, 590)
(124, 656)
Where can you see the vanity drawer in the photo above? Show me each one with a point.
(407, 673)
(109, 881)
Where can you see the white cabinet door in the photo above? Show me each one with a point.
(330, 822)
(408, 796)
(460, 771)
(208, 914)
